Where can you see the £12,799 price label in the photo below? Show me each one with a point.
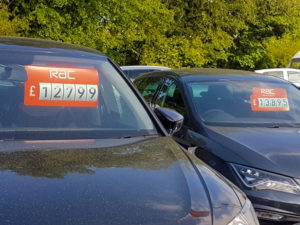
(73, 87)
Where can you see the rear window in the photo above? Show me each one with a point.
(294, 76)
(295, 63)
(47, 96)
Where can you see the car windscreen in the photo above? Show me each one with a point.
(245, 103)
(57, 96)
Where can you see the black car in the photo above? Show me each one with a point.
(79, 146)
(244, 125)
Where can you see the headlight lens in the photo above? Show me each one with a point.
(262, 180)
(246, 217)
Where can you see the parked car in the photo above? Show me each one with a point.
(134, 71)
(80, 146)
(292, 75)
(244, 125)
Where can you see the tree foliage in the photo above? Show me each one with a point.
(10, 27)
(244, 34)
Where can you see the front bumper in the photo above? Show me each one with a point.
(275, 205)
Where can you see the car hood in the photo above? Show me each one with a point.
(272, 149)
(125, 181)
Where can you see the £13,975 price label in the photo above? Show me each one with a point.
(267, 99)
(73, 87)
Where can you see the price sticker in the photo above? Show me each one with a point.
(266, 99)
(72, 87)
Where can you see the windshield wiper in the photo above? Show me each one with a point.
(274, 126)
(136, 136)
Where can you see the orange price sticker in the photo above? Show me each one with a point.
(50, 86)
(268, 99)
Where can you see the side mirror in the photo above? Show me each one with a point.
(170, 119)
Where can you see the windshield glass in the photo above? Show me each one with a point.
(58, 96)
(246, 103)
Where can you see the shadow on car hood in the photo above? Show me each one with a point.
(272, 149)
(137, 181)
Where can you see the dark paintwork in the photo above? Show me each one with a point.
(263, 148)
(136, 181)
(29, 44)
(148, 180)
(171, 119)
(179, 73)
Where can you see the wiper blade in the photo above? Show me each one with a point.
(136, 136)
(274, 126)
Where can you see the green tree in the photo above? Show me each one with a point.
(8, 26)
(120, 29)
(176, 33)
(279, 51)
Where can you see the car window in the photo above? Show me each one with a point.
(57, 96)
(294, 76)
(148, 87)
(170, 97)
(132, 74)
(278, 74)
(295, 64)
(246, 103)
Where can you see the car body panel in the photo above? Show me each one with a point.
(138, 180)
(263, 148)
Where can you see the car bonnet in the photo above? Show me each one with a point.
(125, 181)
(272, 149)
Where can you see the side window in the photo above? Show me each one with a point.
(170, 96)
(294, 76)
(148, 87)
(278, 74)
(295, 64)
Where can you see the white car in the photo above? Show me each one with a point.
(292, 75)
(133, 72)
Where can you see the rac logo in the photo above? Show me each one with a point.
(267, 91)
(64, 75)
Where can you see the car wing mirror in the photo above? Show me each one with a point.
(171, 120)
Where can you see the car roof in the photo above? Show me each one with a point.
(38, 45)
(200, 72)
(190, 75)
(142, 67)
(210, 71)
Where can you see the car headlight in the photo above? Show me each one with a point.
(262, 180)
(246, 217)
